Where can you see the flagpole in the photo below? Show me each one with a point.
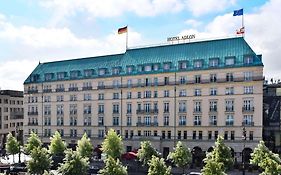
(127, 37)
(243, 24)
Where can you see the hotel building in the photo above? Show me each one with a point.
(11, 115)
(191, 92)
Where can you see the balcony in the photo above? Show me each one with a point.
(248, 109)
(229, 109)
(197, 111)
(115, 112)
(152, 111)
(248, 123)
(213, 110)
(33, 113)
(213, 123)
(229, 123)
(32, 91)
(32, 124)
(86, 88)
(147, 124)
(73, 89)
(100, 112)
(47, 90)
(101, 87)
(16, 115)
(60, 90)
(182, 111)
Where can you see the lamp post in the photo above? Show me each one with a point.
(244, 137)
(17, 137)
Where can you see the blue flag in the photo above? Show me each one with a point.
(238, 12)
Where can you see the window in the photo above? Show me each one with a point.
(74, 74)
(47, 109)
(248, 120)
(166, 107)
(87, 109)
(213, 62)
(87, 85)
(229, 105)
(182, 120)
(129, 95)
(47, 121)
(182, 93)
(129, 121)
(59, 109)
(197, 64)
(229, 120)
(100, 121)
(72, 109)
(197, 92)
(140, 68)
(129, 108)
(213, 106)
(166, 80)
(101, 109)
(229, 90)
(183, 79)
(100, 85)
(182, 106)
(213, 120)
(87, 97)
(60, 75)
(156, 67)
(101, 133)
(200, 136)
(182, 65)
(129, 69)
(48, 76)
(248, 89)
(88, 132)
(129, 83)
(115, 95)
(194, 135)
(155, 94)
(213, 78)
(167, 66)
(197, 78)
(147, 94)
(216, 135)
(248, 105)
(115, 121)
(251, 135)
(209, 135)
(179, 134)
(88, 73)
(229, 61)
(166, 120)
(101, 96)
(139, 94)
(72, 120)
(248, 60)
(115, 108)
(116, 71)
(147, 68)
(59, 121)
(60, 98)
(87, 121)
(229, 77)
(166, 93)
(101, 72)
(225, 135)
(73, 87)
(73, 98)
(147, 120)
(248, 76)
(213, 91)
(155, 81)
(147, 81)
(197, 120)
(116, 84)
(197, 106)
(232, 135)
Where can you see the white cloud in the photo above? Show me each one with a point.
(262, 33)
(193, 23)
(199, 8)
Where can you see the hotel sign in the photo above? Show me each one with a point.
(178, 38)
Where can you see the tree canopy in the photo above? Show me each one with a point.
(12, 145)
(112, 144)
(40, 161)
(146, 152)
(113, 167)
(57, 145)
(84, 147)
(266, 159)
(181, 156)
(33, 141)
(157, 166)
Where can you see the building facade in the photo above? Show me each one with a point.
(191, 92)
(271, 116)
(11, 115)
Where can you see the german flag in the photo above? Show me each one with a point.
(123, 30)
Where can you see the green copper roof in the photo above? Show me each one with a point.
(189, 52)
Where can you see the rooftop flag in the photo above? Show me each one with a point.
(123, 30)
(238, 12)
(240, 31)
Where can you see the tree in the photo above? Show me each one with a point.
(32, 142)
(74, 164)
(40, 161)
(12, 145)
(57, 146)
(219, 160)
(113, 167)
(84, 147)
(268, 161)
(146, 152)
(157, 166)
(181, 156)
(112, 144)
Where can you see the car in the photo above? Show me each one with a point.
(18, 167)
(194, 173)
(93, 169)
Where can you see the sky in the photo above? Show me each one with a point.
(33, 31)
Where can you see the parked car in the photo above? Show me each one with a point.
(194, 173)
(18, 167)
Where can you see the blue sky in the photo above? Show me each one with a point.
(49, 30)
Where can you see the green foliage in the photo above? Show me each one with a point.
(74, 164)
(157, 166)
(181, 156)
(32, 142)
(219, 160)
(12, 145)
(57, 146)
(268, 161)
(112, 144)
(84, 147)
(40, 161)
(146, 152)
(113, 167)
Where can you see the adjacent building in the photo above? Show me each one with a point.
(191, 92)
(11, 115)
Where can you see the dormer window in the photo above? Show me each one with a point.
(140, 68)
(34, 78)
(60, 75)
(48, 76)
(156, 67)
(88, 72)
(101, 72)
(74, 74)
(129, 69)
(147, 68)
(197, 64)
(229, 61)
(116, 71)
(182, 65)
(213, 62)
(248, 60)
(167, 66)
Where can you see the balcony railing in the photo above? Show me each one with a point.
(47, 90)
(213, 110)
(33, 113)
(248, 109)
(229, 123)
(32, 91)
(73, 89)
(32, 124)
(87, 88)
(147, 124)
(60, 90)
(248, 123)
(152, 111)
(229, 109)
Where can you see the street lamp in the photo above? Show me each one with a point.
(244, 137)
(17, 134)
